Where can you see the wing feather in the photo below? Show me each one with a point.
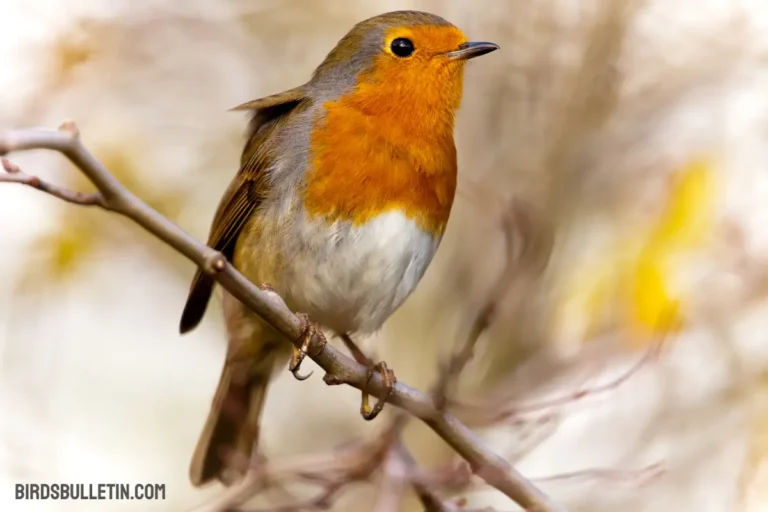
(246, 192)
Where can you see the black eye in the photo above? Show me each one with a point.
(402, 47)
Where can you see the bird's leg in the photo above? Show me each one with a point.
(388, 379)
(358, 354)
(308, 332)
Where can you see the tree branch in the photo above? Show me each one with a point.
(451, 371)
(339, 368)
(493, 411)
(14, 175)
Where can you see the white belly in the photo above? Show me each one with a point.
(351, 279)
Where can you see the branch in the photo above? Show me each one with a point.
(339, 368)
(488, 412)
(484, 319)
(423, 487)
(354, 462)
(394, 482)
(14, 175)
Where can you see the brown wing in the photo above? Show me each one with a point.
(244, 194)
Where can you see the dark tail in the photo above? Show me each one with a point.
(224, 449)
(197, 301)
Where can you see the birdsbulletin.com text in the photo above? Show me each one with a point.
(68, 491)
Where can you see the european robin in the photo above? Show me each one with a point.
(343, 194)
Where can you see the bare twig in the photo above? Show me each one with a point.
(424, 489)
(637, 476)
(339, 368)
(484, 318)
(494, 411)
(394, 482)
(331, 471)
(14, 175)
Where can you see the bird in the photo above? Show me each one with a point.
(343, 194)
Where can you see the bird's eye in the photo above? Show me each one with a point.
(402, 47)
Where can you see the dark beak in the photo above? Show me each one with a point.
(471, 50)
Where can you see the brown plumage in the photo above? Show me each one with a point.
(342, 197)
(234, 417)
(244, 194)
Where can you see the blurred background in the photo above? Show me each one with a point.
(634, 133)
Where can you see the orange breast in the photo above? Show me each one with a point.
(365, 162)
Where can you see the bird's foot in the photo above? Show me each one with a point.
(388, 379)
(309, 331)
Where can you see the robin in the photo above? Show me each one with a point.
(343, 195)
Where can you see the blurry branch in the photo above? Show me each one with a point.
(426, 483)
(637, 476)
(340, 369)
(394, 480)
(337, 470)
(594, 90)
(332, 472)
(499, 409)
(452, 370)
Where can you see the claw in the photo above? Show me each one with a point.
(388, 379)
(308, 332)
(295, 370)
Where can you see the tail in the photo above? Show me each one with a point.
(224, 449)
(197, 301)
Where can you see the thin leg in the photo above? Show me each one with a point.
(309, 331)
(358, 354)
(387, 378)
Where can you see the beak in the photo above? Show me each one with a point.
(471, 50)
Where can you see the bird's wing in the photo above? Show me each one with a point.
(244, 194)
